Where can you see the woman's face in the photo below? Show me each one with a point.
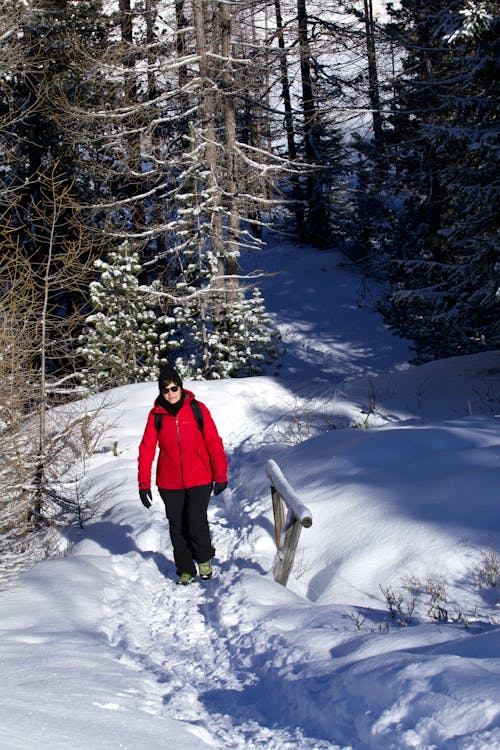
(171, 391)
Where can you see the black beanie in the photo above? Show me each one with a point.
(168, 375)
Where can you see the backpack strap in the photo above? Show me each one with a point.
(198, 415)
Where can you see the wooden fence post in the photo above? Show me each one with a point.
(279, 516)
(287, 532)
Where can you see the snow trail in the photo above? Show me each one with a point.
(194, 648)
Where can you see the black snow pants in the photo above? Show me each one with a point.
(188, 524)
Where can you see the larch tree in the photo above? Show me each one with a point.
(32, 332)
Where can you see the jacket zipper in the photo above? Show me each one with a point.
(180, 449)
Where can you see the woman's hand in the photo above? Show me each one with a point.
(146, 498)
(219, 487)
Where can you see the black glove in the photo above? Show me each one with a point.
(219, 487)
(146, 498)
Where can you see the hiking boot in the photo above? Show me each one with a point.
(205, 570)
(185, 579)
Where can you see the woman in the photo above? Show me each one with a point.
(191, 459)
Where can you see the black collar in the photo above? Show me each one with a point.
(172, 409)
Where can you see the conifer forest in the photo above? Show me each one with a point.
(148, 147)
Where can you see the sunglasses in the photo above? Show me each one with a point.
(172, 389)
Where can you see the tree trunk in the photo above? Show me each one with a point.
(180, 45)
(133, 142)
(373, 87)
(289, 124)
(318, 225)
(231, 186)
(207, 115)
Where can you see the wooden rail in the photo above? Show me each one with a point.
(286, 528)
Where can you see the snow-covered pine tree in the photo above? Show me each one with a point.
(248, 339)
(120, 343)
(238, 350)
(445, 239)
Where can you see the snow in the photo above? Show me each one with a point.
(399, 467)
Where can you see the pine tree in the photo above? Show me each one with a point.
(468, 135)
(240, 350)
(120, 343)
(445, 246)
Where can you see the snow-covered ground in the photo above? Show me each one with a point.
(100, 650)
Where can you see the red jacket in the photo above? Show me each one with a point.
(187, 457)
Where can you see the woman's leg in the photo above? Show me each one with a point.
(197, 499)
(176, 509)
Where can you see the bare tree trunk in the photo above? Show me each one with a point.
(373, 87)
(127, 36)
(289, 124)
(131, 185)
(150, 15)
(231, 186)
(434, 199)
(318, 225)
(180, 44)
(208, 114)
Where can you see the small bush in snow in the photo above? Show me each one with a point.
(305, 418)
(486, 572)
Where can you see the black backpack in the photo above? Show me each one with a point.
(198, 415)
